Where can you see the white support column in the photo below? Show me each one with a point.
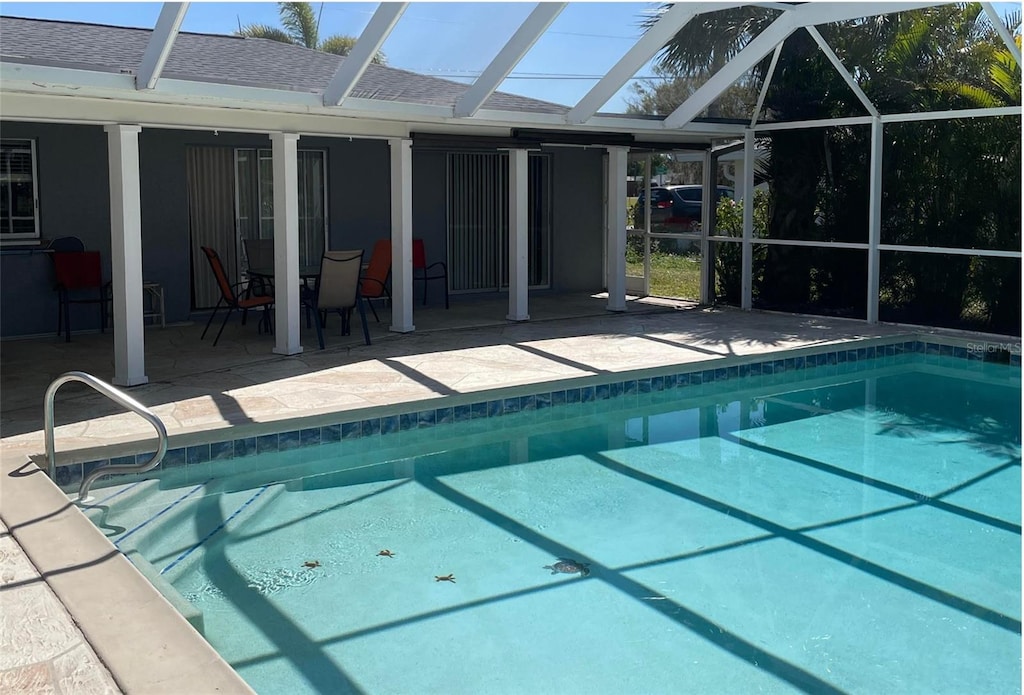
(707, 209)
(518, 235)
(874, 218)
(401, 235)
(126, 254)
(286, 244)
(616, 231)
(747, 257)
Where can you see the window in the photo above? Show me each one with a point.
(19, 209)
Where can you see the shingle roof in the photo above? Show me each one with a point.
(229, 60)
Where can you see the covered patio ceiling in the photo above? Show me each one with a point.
(349, 95)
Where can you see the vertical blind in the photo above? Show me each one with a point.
(478, 220)
(211, 217)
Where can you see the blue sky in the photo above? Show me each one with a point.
(453, 40)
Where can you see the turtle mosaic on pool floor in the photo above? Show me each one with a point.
(566, 565)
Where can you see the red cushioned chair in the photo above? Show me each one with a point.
(79, 273)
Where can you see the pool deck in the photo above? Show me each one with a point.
(116, 633)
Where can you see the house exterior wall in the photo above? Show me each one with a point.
(74, 200)
(577, 244)
(73, 191)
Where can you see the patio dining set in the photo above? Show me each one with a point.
(340, 284)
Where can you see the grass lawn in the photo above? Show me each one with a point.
(672, 275)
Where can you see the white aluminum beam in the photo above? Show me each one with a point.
(160, 43)
(804, 15)
(747, 251)
(874, 219)
(816, 123)
(811, 13)
(508, 57)
(1004, 33)
(948, 115)
(369, 42)
(767, 82)
(743, 61)
(989, 253)
(799, 242)
(841, 69)
(401, 235)
(709, 180)
(286, 243)
(126, 254)
(635, 58)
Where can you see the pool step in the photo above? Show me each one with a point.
(193, 615)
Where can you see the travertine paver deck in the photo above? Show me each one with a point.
(195, 388)
(41, 650)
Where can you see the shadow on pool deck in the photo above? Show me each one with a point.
(195, 387)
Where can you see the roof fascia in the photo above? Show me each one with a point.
(160, 43)
(40, 79)
(48, 108)
(359, 58)
(508, 57)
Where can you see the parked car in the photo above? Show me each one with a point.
(675, 208)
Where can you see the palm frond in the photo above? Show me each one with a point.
(264, 31)
(710, 40)
(299, 20)
(342, 45)
(1005, 77)
(975, 97)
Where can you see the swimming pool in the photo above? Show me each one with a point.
(823, 530)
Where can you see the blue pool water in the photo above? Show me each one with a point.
(849, 534)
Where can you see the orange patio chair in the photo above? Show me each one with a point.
(374, 282)
(230, 298)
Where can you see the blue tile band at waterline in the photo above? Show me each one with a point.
(773, 369)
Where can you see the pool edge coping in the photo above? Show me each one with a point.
(145, 644)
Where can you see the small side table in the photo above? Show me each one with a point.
(153, 295)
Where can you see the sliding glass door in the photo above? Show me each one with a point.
(254, 199)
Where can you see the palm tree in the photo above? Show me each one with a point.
(301, 26)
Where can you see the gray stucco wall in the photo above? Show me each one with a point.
(74, 200)
(577, 243)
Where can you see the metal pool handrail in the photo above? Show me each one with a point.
(118, 396)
